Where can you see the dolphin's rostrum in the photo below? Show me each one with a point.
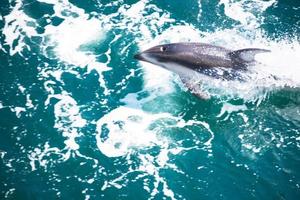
(186, 59)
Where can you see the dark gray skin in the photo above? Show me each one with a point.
(190, 59)
(200, 57)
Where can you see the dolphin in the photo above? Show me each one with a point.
(189, 59)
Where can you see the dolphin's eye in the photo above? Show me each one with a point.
(163, 48)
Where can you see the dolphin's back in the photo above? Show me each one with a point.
(201, 55)
(204, 56)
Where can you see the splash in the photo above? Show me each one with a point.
(128, 131)
(246, 12)
(274, 71)
(16, 28)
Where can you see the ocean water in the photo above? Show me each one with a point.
(81, 119)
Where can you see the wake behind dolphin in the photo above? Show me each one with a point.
(189, 59)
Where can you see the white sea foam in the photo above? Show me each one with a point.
(40, 156)
(128, 130)
(68, 119)
(69, 36)
(125, 129)
(16, 28)
(18, 110)
(246, 12)
(228, 108)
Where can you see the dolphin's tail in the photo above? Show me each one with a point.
(243, 57)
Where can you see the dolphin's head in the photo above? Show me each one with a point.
(165, 55)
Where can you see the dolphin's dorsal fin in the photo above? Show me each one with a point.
(245, 56)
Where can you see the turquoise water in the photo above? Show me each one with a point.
(81, 119)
